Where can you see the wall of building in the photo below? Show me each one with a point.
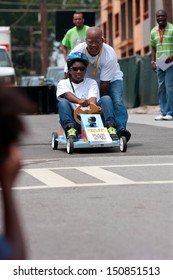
(116, 40)
(158, 5)
(146, 32)
(139, 42)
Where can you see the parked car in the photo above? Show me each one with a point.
(32, 81)
(24, 81)
(54, 74)
(36, 81)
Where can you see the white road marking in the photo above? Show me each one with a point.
(51, 179)
(115, 165)
(105, 176)
(92, 185)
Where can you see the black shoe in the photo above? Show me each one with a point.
(125, 133)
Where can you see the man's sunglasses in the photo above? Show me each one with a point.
(82, 69)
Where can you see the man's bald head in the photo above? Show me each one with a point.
(94, 40)
(161, 12)
(94, 32)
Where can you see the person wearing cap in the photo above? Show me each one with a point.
(79, 90)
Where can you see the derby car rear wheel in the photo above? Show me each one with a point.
(70, 146)
(123, 144)
(54, 141)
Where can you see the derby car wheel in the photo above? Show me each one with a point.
(123, 144)
(54, 141)
(70, 146)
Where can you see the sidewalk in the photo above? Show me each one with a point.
(145, 110)
(145, 115)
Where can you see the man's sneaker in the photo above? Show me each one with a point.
(168, 118)
(72, 133)
(159, 118)
(124, 132)
(113, 133)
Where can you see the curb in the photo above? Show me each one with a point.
(145, 110)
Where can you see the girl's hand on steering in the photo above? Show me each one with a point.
(99, 111)
(84, 103)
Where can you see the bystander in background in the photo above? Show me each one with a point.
(75, 35)
(161, 41)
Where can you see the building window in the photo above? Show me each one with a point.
(137, 19)
(123, 22)
(146, 10)
(117, 27)
(138, 52)
(110, 29)
(130, 52)
(130, 19)
(104, 31)
(123, 54)
(146, 49)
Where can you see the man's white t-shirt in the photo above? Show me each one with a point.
(104, 66)
(86, 89)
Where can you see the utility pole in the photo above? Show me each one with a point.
(44, 40)
(31, 48)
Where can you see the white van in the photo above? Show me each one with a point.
(7, 72)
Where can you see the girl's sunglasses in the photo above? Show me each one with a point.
(82, 69)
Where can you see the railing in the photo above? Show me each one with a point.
(140, 82)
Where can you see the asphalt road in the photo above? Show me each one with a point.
(98, 204)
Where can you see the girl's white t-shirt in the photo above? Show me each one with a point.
(86, 89)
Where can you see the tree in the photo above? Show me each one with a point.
(22, 17)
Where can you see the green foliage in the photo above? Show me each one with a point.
(22, 17)
(22, 72)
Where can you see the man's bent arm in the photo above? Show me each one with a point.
(153, 54)
(104, 86)
(64, 51)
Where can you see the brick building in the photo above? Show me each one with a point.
(126, 24)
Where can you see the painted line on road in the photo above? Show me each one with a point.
(101, 166)
(93, 185)
(105, 176)
(50, 179)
